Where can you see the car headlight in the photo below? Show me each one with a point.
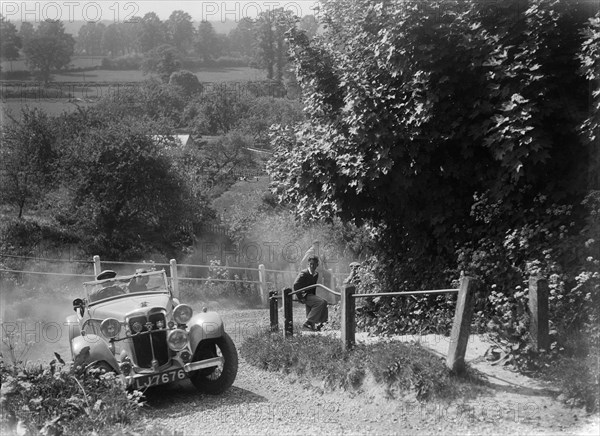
(177, 339)
(182, 313)
(110, 327)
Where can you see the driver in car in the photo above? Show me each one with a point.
(109, 288)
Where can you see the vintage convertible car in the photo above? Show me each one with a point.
(133, 325)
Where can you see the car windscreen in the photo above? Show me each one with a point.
(126, 285)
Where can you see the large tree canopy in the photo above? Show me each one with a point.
(420, 111)
(48, 48)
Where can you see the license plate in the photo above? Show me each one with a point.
(159, 379)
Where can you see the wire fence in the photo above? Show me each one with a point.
(260, 277)
(278, 278)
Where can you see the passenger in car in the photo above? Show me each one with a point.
(138, 282)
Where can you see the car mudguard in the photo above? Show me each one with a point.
(92, 348)
(72, 324)
(205, 325)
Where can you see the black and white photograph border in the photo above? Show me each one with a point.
(387, 210)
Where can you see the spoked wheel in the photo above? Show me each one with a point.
(99, 368)
(216, 379)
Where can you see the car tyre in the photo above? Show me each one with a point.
(217, 379)
(99, 368)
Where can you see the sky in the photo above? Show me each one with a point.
(119, 11)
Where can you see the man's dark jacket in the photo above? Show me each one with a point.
(304, 279)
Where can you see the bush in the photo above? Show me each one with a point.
(578, 380)
(25, 236)
(186, 81)
(400, 315)
(53, 399)
(398, 368)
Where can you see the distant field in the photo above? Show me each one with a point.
(234, 74)
(98, 83)
(100, 76)
(76, 62)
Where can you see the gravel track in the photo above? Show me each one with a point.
(264, 403)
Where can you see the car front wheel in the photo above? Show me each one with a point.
(216, 379)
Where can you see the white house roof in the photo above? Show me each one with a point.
(182, 139)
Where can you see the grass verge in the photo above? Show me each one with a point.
(397, 369)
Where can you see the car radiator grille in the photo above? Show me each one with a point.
(142, 344)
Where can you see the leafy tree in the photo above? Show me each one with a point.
(207, 46)
(223, 159)
(243, 38)
(125, 198)
(426, 121)
(26, 31)
(151, 32)
(217, 111)
(162, 60)
(265, 112)
(309, 24)
(113, 40)
(589, 57)
(49, 48)
(180, 30)
(130, 31)
(186, 81)
(27, 159)
(270, 29)
(10, 43)
(89, 38)
(159, 104)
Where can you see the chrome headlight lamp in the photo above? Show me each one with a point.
(177, 339)
(110, 327)
(182, 313)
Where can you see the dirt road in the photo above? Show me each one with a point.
(271, 404)
(262, 403)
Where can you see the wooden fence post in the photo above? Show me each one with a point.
(538, 308)
(97, 265)
(461, 326)
(347, 306)
(273, 311)
(174, 282)
(262, 278)
(288, 317)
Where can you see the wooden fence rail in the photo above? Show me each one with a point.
(460, 328)
(459, 337)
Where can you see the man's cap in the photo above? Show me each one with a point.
(106, 274)
(353, 264)
(140, 271)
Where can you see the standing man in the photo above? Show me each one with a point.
(316, 307)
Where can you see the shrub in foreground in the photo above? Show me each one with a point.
(399, 368)
(52, 399)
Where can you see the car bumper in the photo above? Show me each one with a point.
(146, 379)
